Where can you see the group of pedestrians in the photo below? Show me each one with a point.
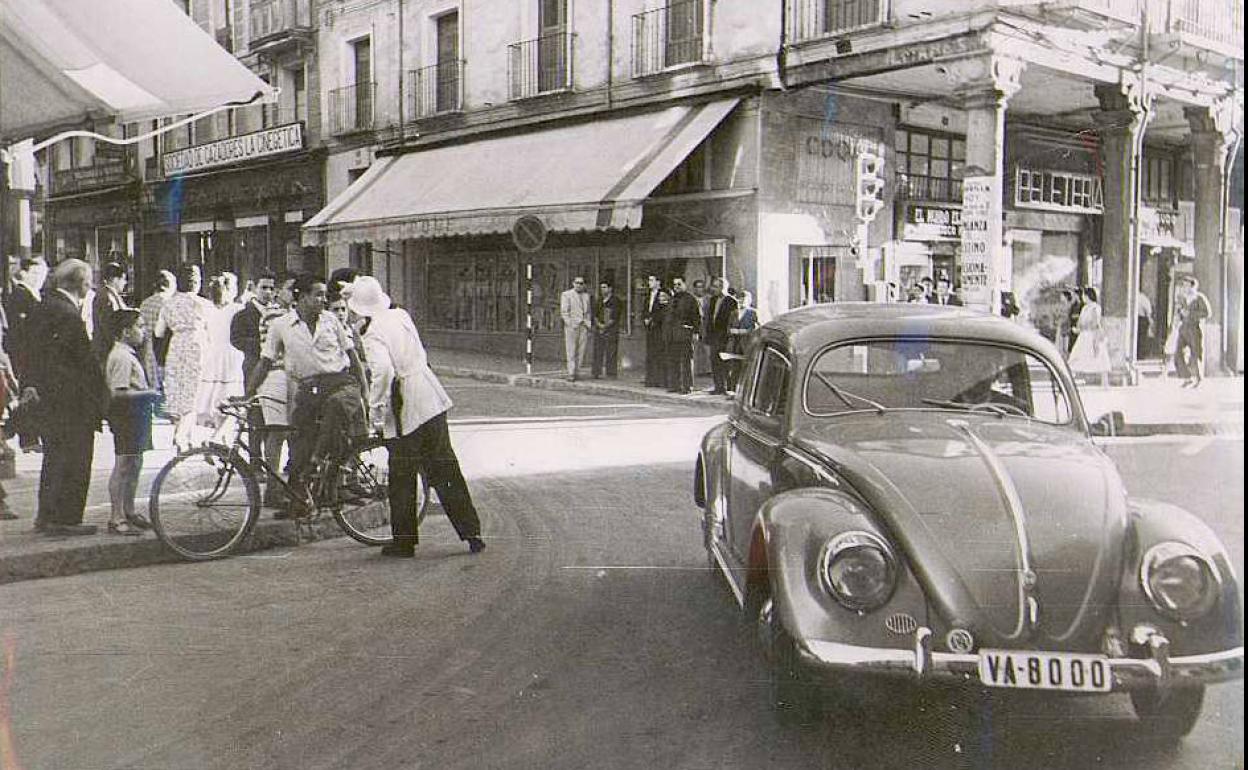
(280, 342)
(682, 326)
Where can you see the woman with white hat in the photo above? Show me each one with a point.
(406, 395)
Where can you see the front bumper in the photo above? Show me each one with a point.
(921, 663)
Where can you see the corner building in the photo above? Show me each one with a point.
(1027, 146)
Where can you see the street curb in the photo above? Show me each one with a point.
(594, 388)
(49, 560)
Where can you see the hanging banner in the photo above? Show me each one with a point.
(981, 239)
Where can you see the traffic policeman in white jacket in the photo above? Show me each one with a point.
(407, 397)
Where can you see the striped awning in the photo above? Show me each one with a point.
(585, 176)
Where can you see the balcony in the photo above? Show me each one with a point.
(437, 89)
(670, 36)
(109, 173)
(1090, 14)
(1203, 25)
(276, 24)
(540, 66)
(929, 188)
(351, 108)
(814, 19)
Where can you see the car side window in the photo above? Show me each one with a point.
(770, 393)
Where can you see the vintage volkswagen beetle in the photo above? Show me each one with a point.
(911, 492)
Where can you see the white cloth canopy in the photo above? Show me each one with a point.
(65, 60)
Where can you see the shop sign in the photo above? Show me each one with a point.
(258, 144)
(1160, 228)
(981, 238)
(932, 223)
(825, 163)
(99, 174)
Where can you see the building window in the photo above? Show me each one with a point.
(1158, 183)
(439, 87)
(812, 19)
(929, 165)
(481, 293)
(1058, 190)
(816, 266)
(351, 107)
(543, 65)
(670, 36)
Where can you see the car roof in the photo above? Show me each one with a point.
(810, 328)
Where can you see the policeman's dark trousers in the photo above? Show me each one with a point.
(680, 363)
(606, 354)
(65, 475)
(656, 359)
(428, 448)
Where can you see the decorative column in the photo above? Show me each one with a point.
(1125, 109)
(1212, 135)
(983, 85)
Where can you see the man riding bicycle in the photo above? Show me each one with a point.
(326, 382)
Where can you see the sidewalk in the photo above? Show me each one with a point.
(1155, 406)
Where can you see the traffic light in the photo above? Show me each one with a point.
(869, 185)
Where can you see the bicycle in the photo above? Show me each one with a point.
(205, 501)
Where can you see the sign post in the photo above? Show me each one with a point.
(528, 233)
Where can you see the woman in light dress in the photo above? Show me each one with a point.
(222, 375)
(185, 317)
(1090, 354)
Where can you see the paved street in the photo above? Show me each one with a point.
(590, 634)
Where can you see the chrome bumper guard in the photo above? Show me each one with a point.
(1159, 669)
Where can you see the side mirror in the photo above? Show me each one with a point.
(1109, 424)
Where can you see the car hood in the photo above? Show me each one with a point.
(1014, 528)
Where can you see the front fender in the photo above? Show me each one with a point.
(791, 529)
(1154, 522)
(711, 459)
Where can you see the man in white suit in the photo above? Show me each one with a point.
(574, 306)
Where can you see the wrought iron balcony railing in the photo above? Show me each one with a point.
(540, 66)
(351, 108)
(811, 19)
(272, 19)
(437, 89)
(670, 36)
(1213, 24)
(929, 188)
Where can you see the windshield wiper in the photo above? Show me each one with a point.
(987, 406)
(845, 395)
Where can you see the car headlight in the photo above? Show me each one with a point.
(1179, 580)
(859, 570)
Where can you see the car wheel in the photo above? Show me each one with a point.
(1170, 713)
(795, 697)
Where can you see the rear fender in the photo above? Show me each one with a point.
(791, 531)
(1154, 522)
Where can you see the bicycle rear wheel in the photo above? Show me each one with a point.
(361, 503)
(204, 503)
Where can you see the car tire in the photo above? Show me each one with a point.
(1168, 714)
(795, 698)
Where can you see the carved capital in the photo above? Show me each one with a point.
(981, 81)
(1224, 117)
(1126, 105)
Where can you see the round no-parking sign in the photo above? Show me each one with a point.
(528, 233)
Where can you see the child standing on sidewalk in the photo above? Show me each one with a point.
(130, 418)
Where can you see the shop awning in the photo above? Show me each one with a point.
(65, 60)
(589, 176)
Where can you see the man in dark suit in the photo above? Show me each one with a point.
(655, 352)
(721, 315)
(608, 313)
(22, 307)
(684, 319)
(944, 293)
(107, 302)
(68, 386)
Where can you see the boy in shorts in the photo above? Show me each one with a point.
(129, 417)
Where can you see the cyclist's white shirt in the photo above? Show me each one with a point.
(305, 354)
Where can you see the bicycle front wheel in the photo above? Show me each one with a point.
(362, 497)
(204, 503)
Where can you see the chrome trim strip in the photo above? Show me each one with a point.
(723, 567)
(755, 435)
(1028, 612)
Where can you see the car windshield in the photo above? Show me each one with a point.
(903, 373)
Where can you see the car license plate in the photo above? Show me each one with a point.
(1044, 671)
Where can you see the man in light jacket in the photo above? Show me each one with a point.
(575, 307)
(411, 404)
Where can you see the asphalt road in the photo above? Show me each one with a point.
(589, 635)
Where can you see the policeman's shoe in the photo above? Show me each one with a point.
(399, 550)
(475, 545)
